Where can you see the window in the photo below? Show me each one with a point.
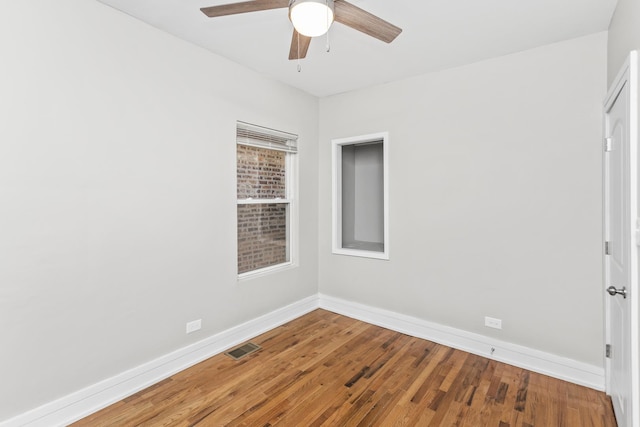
(360, 187)
(265, 207)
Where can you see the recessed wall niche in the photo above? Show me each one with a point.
(360, 187)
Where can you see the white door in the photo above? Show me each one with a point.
(621, 226)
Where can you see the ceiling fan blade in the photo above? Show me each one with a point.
(361, 20)
(243, 7)
(298, 41)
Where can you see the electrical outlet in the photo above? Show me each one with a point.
(490, 322)
(194, 326)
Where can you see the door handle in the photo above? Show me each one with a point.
(613, 291)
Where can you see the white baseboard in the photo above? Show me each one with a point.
(524, 357)
(100, 395)
(84, 402)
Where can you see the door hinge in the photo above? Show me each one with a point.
(607, 351)
(606, 248)
(607, 144)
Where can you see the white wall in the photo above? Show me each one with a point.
(117, 217)
(495, 197)
(624, 35)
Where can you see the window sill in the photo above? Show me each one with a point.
(265, 271)
(361, 253)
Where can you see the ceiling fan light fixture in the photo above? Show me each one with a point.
(311, 18)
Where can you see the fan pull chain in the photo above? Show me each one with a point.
(328, 28)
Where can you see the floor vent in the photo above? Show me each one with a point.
(242, 351)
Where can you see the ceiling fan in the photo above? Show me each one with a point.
(313, 18)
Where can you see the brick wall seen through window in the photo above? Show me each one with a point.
(263, 222)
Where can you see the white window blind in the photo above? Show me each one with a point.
(258, 136)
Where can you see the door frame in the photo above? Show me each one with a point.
(627, 75)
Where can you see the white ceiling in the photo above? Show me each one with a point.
(437, 34)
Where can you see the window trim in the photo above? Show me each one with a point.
(336, 175)
(291, 192)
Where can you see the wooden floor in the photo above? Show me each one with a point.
(330, 370)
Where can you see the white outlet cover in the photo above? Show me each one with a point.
(491, 322)
(194, 326)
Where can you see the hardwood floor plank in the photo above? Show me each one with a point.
(324, 369)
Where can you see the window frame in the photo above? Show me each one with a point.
(336, 173)
(291, 195)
